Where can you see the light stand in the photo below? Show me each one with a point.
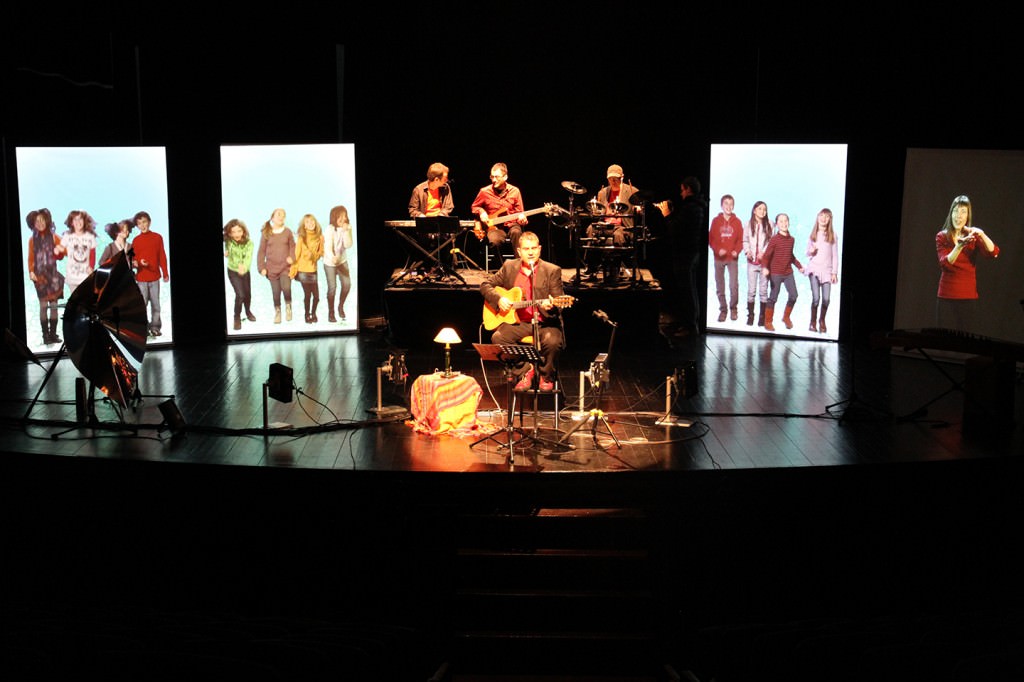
(394, 369)
(599, 375)
(279, 387)
(686, 378)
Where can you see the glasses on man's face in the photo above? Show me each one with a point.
(496, 176)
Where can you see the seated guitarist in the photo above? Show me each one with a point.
(536, 280)
(499, 199)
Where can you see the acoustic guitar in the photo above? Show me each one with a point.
(493, 316)
(480, 228)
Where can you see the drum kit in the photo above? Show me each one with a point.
(597, 215)
(597, 209)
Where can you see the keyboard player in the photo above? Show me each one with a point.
(433, 197)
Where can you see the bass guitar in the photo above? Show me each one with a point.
(493, 316)
(480, 228)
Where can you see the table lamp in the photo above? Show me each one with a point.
(447, 336)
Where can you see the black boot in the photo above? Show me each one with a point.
(750, 313)
(760, 316)
(53, 332)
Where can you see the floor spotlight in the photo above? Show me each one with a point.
(173, 419)
(278, 386)
(280, 383)
(684, 378)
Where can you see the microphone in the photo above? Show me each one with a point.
(601, 315)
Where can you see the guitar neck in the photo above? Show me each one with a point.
(506, 218)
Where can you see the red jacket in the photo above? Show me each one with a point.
(726, 234)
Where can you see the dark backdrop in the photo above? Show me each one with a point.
(557, 96)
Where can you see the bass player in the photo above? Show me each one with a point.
(496, 200)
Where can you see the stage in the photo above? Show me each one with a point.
(796, 480)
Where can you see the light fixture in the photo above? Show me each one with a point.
(173, 419)
(447, 336)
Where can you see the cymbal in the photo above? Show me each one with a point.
(618, 208)
(640, 196)
(595, 207)
(574, 187)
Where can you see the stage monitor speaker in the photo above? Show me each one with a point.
(280, 383)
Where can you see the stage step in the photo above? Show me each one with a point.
(554, 591)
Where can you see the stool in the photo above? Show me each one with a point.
(502, 253)
(556, 393)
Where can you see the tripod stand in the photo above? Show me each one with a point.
(599, 376)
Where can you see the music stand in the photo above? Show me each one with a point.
(510, 355)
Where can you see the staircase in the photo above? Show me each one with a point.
(564, 592)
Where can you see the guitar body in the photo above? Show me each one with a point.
(480, 229)
(493, 316)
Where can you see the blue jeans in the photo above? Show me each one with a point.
(778, 281)
(820, 290)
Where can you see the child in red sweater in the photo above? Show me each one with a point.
(778, 260)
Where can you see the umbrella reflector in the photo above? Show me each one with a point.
(105, 329)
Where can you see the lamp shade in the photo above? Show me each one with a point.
(447, 335)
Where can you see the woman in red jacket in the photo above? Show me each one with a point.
(959, 245)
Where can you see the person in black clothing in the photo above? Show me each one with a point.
(684, 230)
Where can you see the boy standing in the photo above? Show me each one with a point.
(726, 241)
(150, 262)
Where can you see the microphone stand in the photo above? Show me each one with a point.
(535, 384)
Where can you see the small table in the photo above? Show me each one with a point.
(442, 404)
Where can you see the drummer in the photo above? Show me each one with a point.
(613, 201)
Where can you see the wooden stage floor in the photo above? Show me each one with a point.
(757, 403)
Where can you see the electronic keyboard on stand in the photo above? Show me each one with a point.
(443, 230)
(989, 373)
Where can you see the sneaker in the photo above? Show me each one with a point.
(526, 382)
(546, 385)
